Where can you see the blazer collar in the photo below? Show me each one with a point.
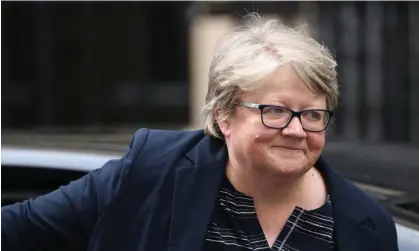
(196, 191)
(195, 194)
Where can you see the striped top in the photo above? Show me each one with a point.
(234, 226)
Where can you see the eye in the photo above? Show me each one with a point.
(275, 110)
(313, 115)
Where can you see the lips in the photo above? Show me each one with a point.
(291, 148)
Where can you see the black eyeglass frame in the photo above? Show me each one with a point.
(293, 114)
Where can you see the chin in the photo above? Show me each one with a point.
(291, 170)
(290, 166)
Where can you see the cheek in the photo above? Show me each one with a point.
(315, 142)
(248, 125)
(259, 135)
(249, 133)
(264, 137)
(252, 137)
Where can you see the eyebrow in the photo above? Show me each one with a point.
(285, 104)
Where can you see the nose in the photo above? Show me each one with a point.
(294, 129)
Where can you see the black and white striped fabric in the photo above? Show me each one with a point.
(234, 226)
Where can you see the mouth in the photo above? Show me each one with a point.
(290, 148)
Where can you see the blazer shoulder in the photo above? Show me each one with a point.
(368, 204)
(153, 155)
(156, 143)
(350, 197)
(152, 151)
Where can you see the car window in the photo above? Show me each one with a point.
(20, 183)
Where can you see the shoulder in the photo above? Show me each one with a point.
(365, 202)
(349, 199)
(348, 195)
(161, 142)
(153, 151)
(377, 217)
(153, 156)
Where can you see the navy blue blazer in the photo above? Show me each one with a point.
(159, 196)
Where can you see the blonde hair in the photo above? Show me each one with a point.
(248, 54)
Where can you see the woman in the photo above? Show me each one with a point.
(253, 179)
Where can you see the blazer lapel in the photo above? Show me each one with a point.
(354, 228)
(352, 235)
(195, 194)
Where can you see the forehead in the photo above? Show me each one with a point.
(285, 87)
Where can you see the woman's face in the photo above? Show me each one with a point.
(288, 151)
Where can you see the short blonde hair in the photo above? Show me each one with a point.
(248, 54)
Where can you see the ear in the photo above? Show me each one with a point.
(223, 124)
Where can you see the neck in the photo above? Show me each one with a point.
(266, 188)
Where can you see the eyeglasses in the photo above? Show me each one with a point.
(279, 117)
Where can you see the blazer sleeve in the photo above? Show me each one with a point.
(391, 240)
(65, 218)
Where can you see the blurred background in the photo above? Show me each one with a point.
(85, 75)
(70, 66)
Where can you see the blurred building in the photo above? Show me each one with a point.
(113, 64)
(94, 64)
